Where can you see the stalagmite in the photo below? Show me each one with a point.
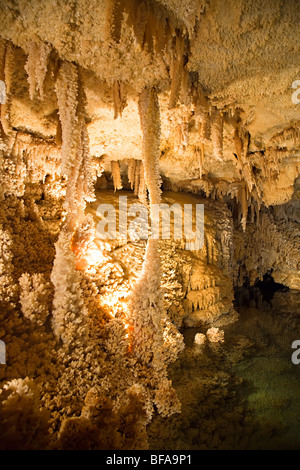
(35, 297)
(68, 307)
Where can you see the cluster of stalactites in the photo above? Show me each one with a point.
(291, 135)
(156, 31)
(249, 193)
(40, 157)
(136, 178)
(210, 123)
(36, 67)
(153, 26)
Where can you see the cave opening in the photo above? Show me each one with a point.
(260, 294)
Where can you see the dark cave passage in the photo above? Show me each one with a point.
(259, 294)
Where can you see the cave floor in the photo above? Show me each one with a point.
(240, 394)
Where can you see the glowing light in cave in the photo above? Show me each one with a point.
(112, 300)
(93, 256)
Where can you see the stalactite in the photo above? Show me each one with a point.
(30, 68)
(9, 64)
(217, 133)
(160, 28)
(200, 153)
(36, 67)
(238, 145)
(2, 57)
(244, 205)
(67, 95)
(137, 176)
(142, 194)
(119, 98)
(140, 21)
(88, 175)
(150, 122)
(241, 142)
(203, 117)
(131, 171)
(186, 87)
(76, 158)
(176, 71)
(68, 311)
(116, 175)
(33, 159)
